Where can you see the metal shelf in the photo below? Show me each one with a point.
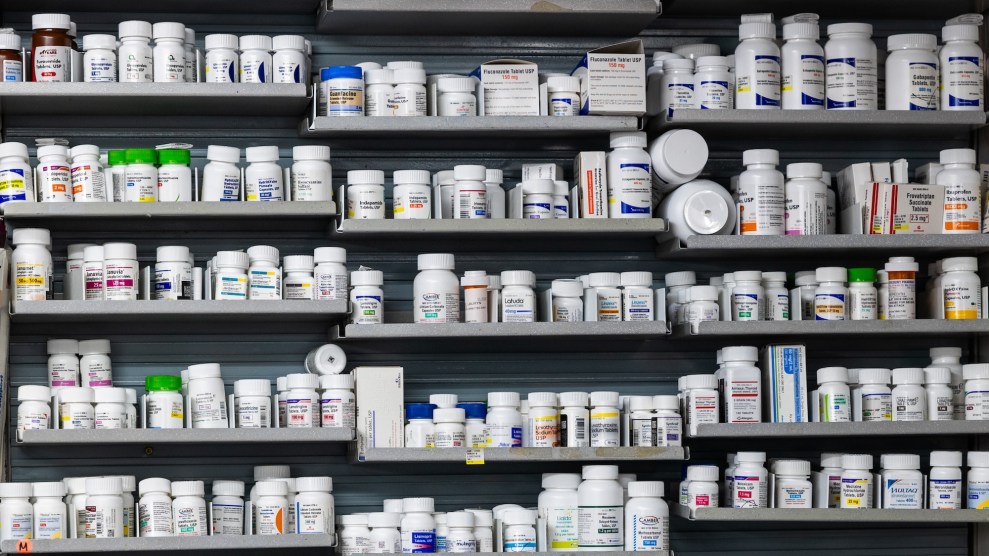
(843, 430)
(511, 227)
(184, 7)
(502, 17)
(833, 515)
(522, 455)
(920, 327)
(776, 247)
(876, 9)
(172, 544)
(185, 217)
(153, 99)
(51, 312)
(822, 124)
(185, 436)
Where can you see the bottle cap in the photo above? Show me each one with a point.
(901, 461)
(567, 288)
(93, 347)
(474, 278)
(288, 42)
(874, 376)
(682, 278)
(267, 153)
(640, 403)
(172, 253)
(418, 505)
(978, 459)
(804, 170)
(456, 85)
(419, 411)
(265, 472)
(518, 278)
(957, 156)
(712, 61)
(436, 261)
(93, 253)
(694, 51)
(267, 488)
(908, 376)
(219, 153)
(53, 150)
(801, 31)
(409, 75)
(49, 489)
(748, 276)
(937, 375)
(379, 76)
(253, 387)
(473, 410)
(975, 371)
(101, 486)
(652, 489)
(832, 374)
(298, 263)
(702, 473)
(330, 255)
(519, 517)
(95, 42)
(902, 264)
(757, 30)
(109, 395)
(140, 156)
(223, 41)
(542, 399)
(314, 484)
(302, 381)
(666, 403)
(563, 84)
(449, 415)
(263, 253)
(227, 488)
(760, 156)
(862, 275)
(750, 457)
(419, 177)
(604, 399)
(860, 28)
(51, 21)
(660, 55)
(353, 519)
(235, 259)
(740, 353)
(443, 400)
(367, 278)
(503, 399)
(75, 394)
(469, 172)
(573, 399)
(568, 481)
(492, 175)
(460, 519)
(174, 156)
(636, 279)
(604, 279)
(384, 519)
(204, 370)
(140, 29)
(921, 41)
(337, 382)
(628, 139)
(856, 461)
(538, 187)
(365, 177)
(162, 383)
(946, 459)
(674, 64)
(63, 346)
(256, 42)
(700, 382)
(960, 264)
(600, 472)
(168, 30)
(13, 148)
(832, 274)
(960, 33)
(33, 393)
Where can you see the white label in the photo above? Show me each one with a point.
(902, 303)
(962, 301)
(945, 494)
(923, 90)
(228, 519)
(909, 408)
(760, 208)
(632, 194)
(409, 103)
(434, 307)
(55, 182)
(829, 306)
(563, 104)
(749, 491)
(253, 70)
(271, 519)
(976, 405)
(605, 428)
(601, 527)
(265, 188)
(136, 68)
(100, 68)
(11, 71)
(252, 414)
(805, 211)
(864, 303)
(640, 432)
(877, 407)
(745, 307)
(963, 82)
(805, 78)
(561, 526)
(412, 205)
(300, 413)
(74, 417)
(32, 281)
(101, 522)
(637, 305)
(834, 408)
(504, 436)
(51, 63)
(264, 284)
(668, 430)
(221, 68)
(856, 493)
(902, 494)
(207, 407)
(702, 408)
(518, 307)
(31, 420)
(609, 306)
(330, 286)
(50, 525)
(109, 419)
(744, 401)
(299, 288)
(978, 495)
(313, 519)
(794, 497)
(450, 439)
(712, 95)
(367, 309)
(337, 412)
(366, 204)
(165, 414)
(120, 281)
(142, 187)
(310, 186)
(471, 203)
(231, 286)
(681, 95)
(763, 83)
(851, 83)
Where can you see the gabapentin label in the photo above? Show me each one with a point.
(962, 301)
(807, 77)
(963, 80)
(877, 407)
(600, 527)
(763, 82)
(829, 306)
(633, 192)
(851, 83)
(750, 491)
(902, 494)
(924, 91)
(945, 494)
(562, 529)
(649, 532)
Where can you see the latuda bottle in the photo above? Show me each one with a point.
(757, 67)
(629, 176)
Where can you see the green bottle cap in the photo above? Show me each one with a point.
(174, 156)
(861, 275)
(116, 158)
(162, 383)
(140, 156)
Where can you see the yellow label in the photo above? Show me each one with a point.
(399, 210)
(177, 415)
(744, 89)
(475, 457)
(787, 87)
(564, 545)
(30, 280)
(961, 314)
(604, 415)
(66, 418)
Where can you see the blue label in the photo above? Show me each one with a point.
(423, 542)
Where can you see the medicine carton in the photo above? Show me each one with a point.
(379, 393)
(613, 80)
(508, 88)
(784, 370)
(905, 208)
(591, 178)
(547, 171)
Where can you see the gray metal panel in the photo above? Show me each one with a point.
(843, 430)
(832, 329)
(521, 455)
(48, 312)
(771, 247)
(818, 515)
(93, 437)
(560, 229)
(174, 544)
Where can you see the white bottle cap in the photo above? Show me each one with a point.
(442, 401)
(518, 278)
(172, 253)
(330, 255)
(378, 77)
(902, 264)
(367, 278)
(960, 33)
(567, 288)
(53, 150)
(460, 519)
(50, 21)
(436, 261)
(636, 279)
(418, 505)
(101, 486)
(740, 353)
(702, 473)
(126, 251)
(302, 381)
(801, 31)
(874, 376)
(831, 274)
(908, 376)
(628, 139)
(568, 481)
(901, 461)
(542, 399)
(94, 42)
(861, 28)
(474, 278)
(456, 85)
(792, 467)
(469, 172)
(141, 29)
(804, 170)
(700, 382)
(856, 461)
(712, 61)
(298, 263)
(288, 42)
(190, 37)
(957, 264)
(941, 458)
(168, 30)
(265, 488)
(255, 42)
(640, 403)
(660, 55)
(33, 393)
(384, 519)
(449, 415)
(503, 399)
(937, 375)
(258, 253)
(748, 276)
(262, 154)
(706, 211)
(311, 152)
(604, 279)
(905, 41)
(563, 83)
(750, 457)
(91, 347)
(774, 276)
(674, 64)
(92, 253)
(694, 51)
(538, 187)
(666, 403)
(831, 460)
(63, 346)
(573, 399)
(16, 490)
(352, 519)
(220, 153)
(604, 399)
(761, 156)
(365, 66)
(13, 148)
(265, 472)
(832, 374)
(518, 517)
(364, 177)
(314, 484)
(957, 156)
(975, 371)
(420, 177)
(254, 387)
(600, 472)
(703, 293)
(336, 382)
(76, 394)
(652, 489)
(939, 352)
(110, 395)
(978, 459)
(225, 488)
(49, 489)
(409, 75)
(682, 278)
(204, 370)
(235, 259)
(756, 30)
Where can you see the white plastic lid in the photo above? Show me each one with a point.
(573, 399)
(436, 261)
(756, 30)
(93, 42)
(660, 55)
(298, 263)
(874, 376)
(257, 253)
(920, 41)
(901, 264)
(365, 177)
(567, 288)
(542, 399)
(939, 352)
(220, 153)
(378, 77)
(302, 381)
(204, 370)
(226, 488)
(856, 461)
(51, 21)
(443, 400)
(666, 403)
(978, 459)
(172, 253)
(336, 382)
(418, 505)
(474, 278)
(235, 259)
(702, 473)
(957, 156)
(604, 399)
(831, 274)
(255, 42)
(445, 177)
(956, 264)
(563, 83)
(761, 156)
(519, 517)
(703, 293)
(740, 353)
(330, 255)
(53, 150)
(265, 488)
(63, 346)
(134, 28)
(801, 31)
(882, 276)
(493, 175)
(13, 148)
(908, 376)
(960, 33)
(400, 177)
(774, 276)
(384, 519)
(16, 490)
(264, 472)
(126, 251)
(750, 457)
(901, 461)
(469, 172)
(561, 480)
(653, 489)
(456, 84)
(314, 484)
(538, 187)
(628, 139)
(831, 460)
(190, 37)
(75, 394)
(682, 278)
(861, 28)
(52, 489)
(804, 170)
(696, 382)
(101, 486)
(409, 75)
(449, 415)
(307, 152)
(975, 371)
(109, 395)
(940, 458)
(518, 278)
(288, 42)
(33, 393)
(748, 276)
(673, 64)
(460, 519)
(352, 519)
(266, 153)
(937, 375)
(636, 279)
(640, 403)
(694, 51)
(503, 399)
(253, 387)
(706, 212)
(832, 374)
(222, 41)
(712, 61)
(604, 279)
(367, 278)
(792, 467)
(600, 472)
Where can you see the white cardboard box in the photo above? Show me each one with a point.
(508, 88)
(547, 171)
(591, 177)
(613, 80)
(380, 394)
(785, 383)
(905, 208)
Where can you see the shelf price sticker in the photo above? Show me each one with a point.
(475, 456)
(24, 546)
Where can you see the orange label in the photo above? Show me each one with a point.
(955, 206)
(962, 225)
(24, 546)
(749, 227)
(76, 189)
(58, 187)
(279, 522)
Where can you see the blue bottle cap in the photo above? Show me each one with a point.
(419, 410)
(349, 72)
(474, 410)
(324, 74)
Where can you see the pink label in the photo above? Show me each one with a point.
(64, 383)
(120, 283)
(98, 383)
(702, 500)
(94, 285)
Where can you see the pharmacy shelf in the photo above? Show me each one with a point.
(187, 216)
(833, 515)
(865, 9)
(185, 436)
(52, 312)
(843, 430)
(504, 228)
(518, 455)
(152, 99)
(776, 247)
(277, 543)
(184, 7)
(822, 124)
(609, 18)
(862, 328)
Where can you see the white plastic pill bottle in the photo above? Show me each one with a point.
(629, 176)
(976, 390)
(385, 537)
(155, 508)
(288, 63)
(605, 420)
(600, 509)
(104, 508)
(711, 83)
(255, 59)
(299, 281)
(750, 484)
(94, 364)
(312, 174)
(757, 67)
(701, 487)
(678, 156)
(961, 288)
(504, 421)
(330, 273)
(314, 508)
(978, 480)
(63, 363)
(909, 396)
(475, 286)
(518, 301)
(88, 178)
(457, 98)
(937, 382)
(169, 52)
(962, 191)
(253, 403)
(337, 402)
(31, 265)
(227, 508)
(793, 489)
(805, 199)
(264, 178)
(962, 65)
(418, 525)
(638, 297)
(676, 86)
(902, 482)
(366, 194)
(436, 290)
(222, 62)
(470, 193)
(872, 400)
(207, 396)
(852, 67)
(367, 297)
(912, 72)
(557, 504)
(120, 271)
(221, 175)
(803, 68)
(54, 174)
(302, 401)
(33, 409)
(856, 481)
(412, 196)
(50, 515)
(16, 511)
(647, 517)
(761, 194)
(945, 481)
(135, 53)
(834, 398)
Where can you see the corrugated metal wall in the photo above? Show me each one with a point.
(265, 350)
